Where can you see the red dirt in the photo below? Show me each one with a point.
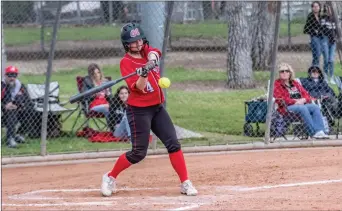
(218, 177)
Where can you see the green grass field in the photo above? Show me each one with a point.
(205, 30)
(219, 116)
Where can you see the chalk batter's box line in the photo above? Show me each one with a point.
(162, 200)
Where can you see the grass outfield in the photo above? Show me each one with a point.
(205, 30)
(219, 116)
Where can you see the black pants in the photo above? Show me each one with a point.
(141, 121)
(329, 109)
(12, 118)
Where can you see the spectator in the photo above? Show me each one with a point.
(98, 102)
(15, 103)
(118, 116)
(329, 42)
(313, 28)
(319, 89)
(316, 85)
(289, 93)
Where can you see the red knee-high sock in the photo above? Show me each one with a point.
(178, 163)
(121, 164)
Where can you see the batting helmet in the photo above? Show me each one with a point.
(131, 32)
(11, 69)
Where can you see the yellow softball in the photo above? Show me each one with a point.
(164, 82)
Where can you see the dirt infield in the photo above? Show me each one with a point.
(293, 179)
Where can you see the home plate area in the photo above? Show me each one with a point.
(124, 199)
(167, 198)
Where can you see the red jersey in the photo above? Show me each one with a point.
(152, 94)
(100, 99)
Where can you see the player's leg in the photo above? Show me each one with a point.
(164, 129)
(140, 124)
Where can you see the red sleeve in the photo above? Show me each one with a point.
(147, 49)
(126, 69)
(280, 93)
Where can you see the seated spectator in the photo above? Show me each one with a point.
(316, 84)
(318, 88)
(118, 118)
(298, 100)
(15, 102)
(98, 102)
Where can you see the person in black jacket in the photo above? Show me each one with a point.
(117, 113)
(313, 28)
(329, 42)
(316, 85)
(15, 105)
(318, 88)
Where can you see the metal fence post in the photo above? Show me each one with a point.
(47, 82)
(79, 16)
(273, 70)
(42, 27)
(289, 42)
(153, 28)
(168, 9)
(3, 53)
(110, 12)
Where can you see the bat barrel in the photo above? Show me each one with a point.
(80, 96)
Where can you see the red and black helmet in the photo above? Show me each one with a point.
(131, 32)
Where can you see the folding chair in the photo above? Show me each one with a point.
(291, 120)
(295, 121)
(96, 117)
(54, 106)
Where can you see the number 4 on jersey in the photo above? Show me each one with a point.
(149, 87)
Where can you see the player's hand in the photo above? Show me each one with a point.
(142, 72)
(150, 64)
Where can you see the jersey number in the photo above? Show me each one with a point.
(149, 87)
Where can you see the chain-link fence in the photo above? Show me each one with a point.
(218, 58)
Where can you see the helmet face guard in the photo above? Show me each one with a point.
(131, 32)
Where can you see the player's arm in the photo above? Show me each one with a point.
(152, 54)
(141, 83)
(126, 69)
(138, 82)
(142, 72)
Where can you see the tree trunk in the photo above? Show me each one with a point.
(240, 74)
(262, 34)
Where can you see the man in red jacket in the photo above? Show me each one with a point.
(145, 110)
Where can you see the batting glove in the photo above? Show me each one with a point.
(150, 65)
(142, 72)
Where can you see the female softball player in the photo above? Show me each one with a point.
(145, 110)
